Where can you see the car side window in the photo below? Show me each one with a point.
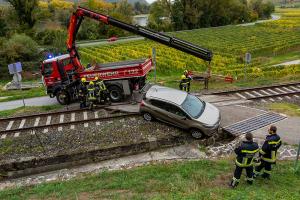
(177, 111)
(168, 107)
(158, 104)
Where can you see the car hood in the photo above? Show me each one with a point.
(210, 115)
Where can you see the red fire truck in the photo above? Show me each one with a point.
(62, 74)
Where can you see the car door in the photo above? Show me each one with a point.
(159, 110)
(177, 116)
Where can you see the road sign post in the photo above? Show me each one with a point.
(247, 61)
(297, 158)
(154, 62)
(15, 69)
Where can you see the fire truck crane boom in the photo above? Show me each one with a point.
(173, 42)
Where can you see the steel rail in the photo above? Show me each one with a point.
(68, 123)
(253, 89)
(59, 112)
(273, 95)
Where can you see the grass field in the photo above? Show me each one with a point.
(28, 110)
(286, 108)
(204, 179)
(270, 43)
(9, 95)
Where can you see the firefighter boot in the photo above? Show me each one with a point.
(265, 176)
(249, 180)
(234, 182)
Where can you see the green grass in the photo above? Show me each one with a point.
(286, 108)
(202, 179)
(29, 109)
(220, 84)
(17, 94)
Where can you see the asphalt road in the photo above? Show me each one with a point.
(37, 101)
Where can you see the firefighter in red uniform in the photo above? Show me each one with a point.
(244, 160)
(268, 153)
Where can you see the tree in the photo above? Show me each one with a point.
(20, 47)
(3, 24)
(25, 11)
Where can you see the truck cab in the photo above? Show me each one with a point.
(56, 72)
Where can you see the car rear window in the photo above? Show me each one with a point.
(193, 106)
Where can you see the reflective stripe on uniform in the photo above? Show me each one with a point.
(262, 152)
(244, 163)
(268, 160)
(235, 180)
(256, 172)
(247, 151)
(249, 179)
(272, 159)
(274, 142)
(267, 171)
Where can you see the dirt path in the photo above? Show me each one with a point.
(294, 62)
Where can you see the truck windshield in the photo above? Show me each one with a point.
(47, 69)
(193, 106)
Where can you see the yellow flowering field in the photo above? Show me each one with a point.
(228, 43)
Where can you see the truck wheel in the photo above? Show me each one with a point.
(115, 93)
(196, 133)
(62, 97)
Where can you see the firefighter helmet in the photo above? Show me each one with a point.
(91, 83)
(83, 80)
(186, 72)
(183, 77)
(96, 78)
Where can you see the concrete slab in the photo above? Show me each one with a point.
(234, 113)
(127, 108)
(288, 129)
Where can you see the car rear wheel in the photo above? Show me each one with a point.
(196, 133)
(147, 116)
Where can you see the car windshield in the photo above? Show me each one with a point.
(193, 106)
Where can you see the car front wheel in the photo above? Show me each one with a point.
(147, 116)
(196, 133)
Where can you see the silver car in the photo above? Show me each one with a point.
(180, 109)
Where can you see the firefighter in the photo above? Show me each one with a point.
(102, 92)
(245, 160)
(189, 79)
(82, 93)
(268, 153)
(91, 95)
(185, 81)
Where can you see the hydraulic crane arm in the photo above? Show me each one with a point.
(173, 42)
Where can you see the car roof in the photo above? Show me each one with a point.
(167, 94)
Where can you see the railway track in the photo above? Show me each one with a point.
(70, 119)
(280, 92)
